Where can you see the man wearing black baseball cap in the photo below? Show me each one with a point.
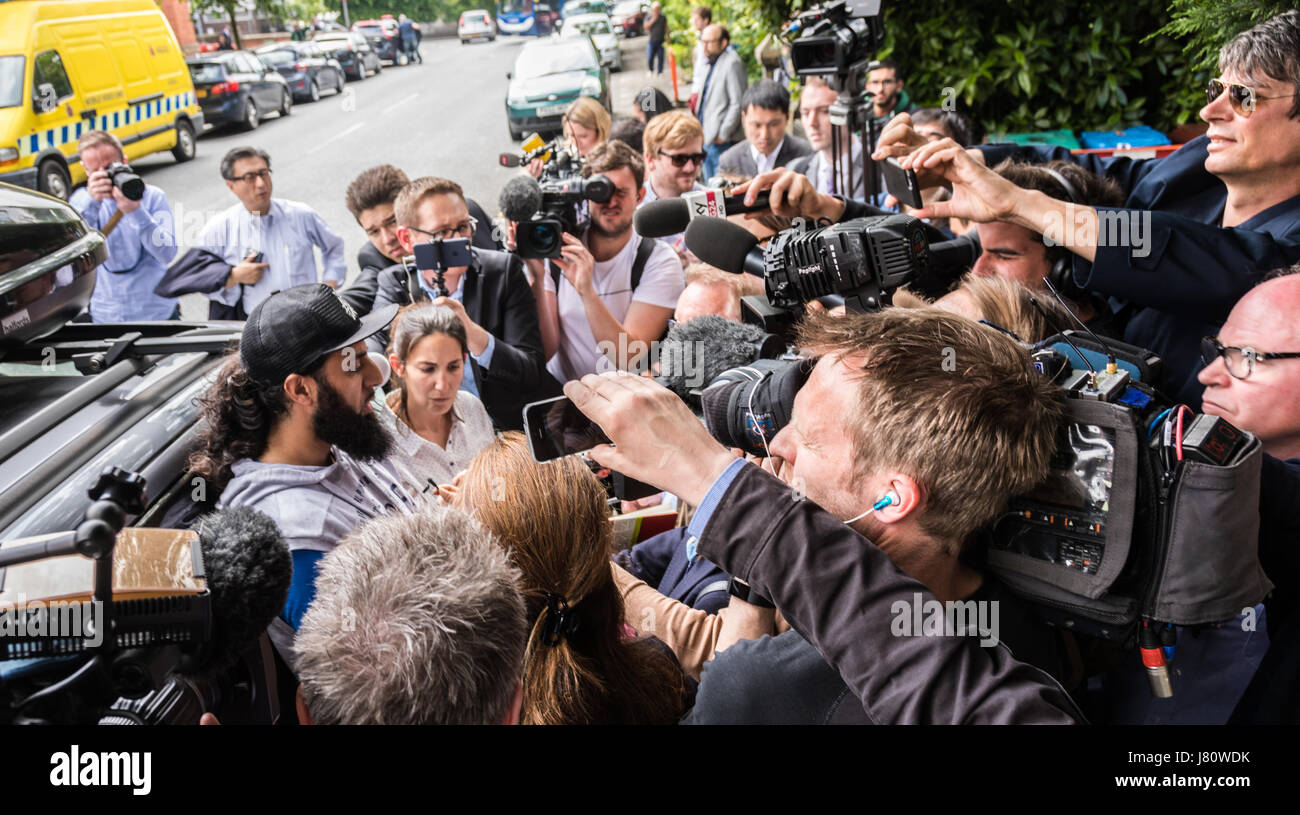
(291, 430)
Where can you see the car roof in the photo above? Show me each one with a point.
(585, 18)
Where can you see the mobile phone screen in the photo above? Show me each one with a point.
(902, 183)
(556, 428)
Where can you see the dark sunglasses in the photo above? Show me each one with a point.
(1239, 361)
(1242, 97)
(680, 160)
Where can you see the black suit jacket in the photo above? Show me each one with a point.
(739, 160)
(360, 293)
(498, 298)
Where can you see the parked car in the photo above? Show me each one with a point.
(382, 36)
(628, 18)
(353, 52)
(577, 8)
(235, 87)
(601, 32)
(550, 73)
(307, 67)
(63, 70)
(77, 399)
(476, 24)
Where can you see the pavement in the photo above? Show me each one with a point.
(445, 117)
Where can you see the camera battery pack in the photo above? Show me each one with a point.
(1212, 440)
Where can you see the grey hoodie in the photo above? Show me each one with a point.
(315, 507)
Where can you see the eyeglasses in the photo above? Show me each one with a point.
(1242, 97)
(249, 178)
(464, 229)
(1240, 362)
(680, 160)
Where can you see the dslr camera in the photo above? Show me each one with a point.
(541, 236)
(125, 179)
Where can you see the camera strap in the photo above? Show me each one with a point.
(643, 251)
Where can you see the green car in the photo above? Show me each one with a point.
(549, 74)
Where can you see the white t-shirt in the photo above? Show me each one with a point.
(662, 282)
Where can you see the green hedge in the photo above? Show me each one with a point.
(1014, 65)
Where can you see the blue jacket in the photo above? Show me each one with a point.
(1194, 272)
(661, 562)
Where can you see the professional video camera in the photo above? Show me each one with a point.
(544, 212)
(862, 261)
(125, 179)
(163, 626)
(1149, 517)
(558, 161)
(837, 41)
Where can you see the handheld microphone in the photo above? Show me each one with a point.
(725, 245)
(520, 198)
(670, 216)
(510, 160)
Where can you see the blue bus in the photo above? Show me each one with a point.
(526, 17)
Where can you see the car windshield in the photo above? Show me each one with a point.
(555, 59)
(205, 72)
(11, 81)
(370, 30)
(281, 57)
(575, 28)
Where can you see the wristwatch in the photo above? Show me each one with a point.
(741, 590)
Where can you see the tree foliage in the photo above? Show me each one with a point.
(1024, 65)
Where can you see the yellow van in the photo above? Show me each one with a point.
(67, 67)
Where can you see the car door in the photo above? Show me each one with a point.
(267, 92)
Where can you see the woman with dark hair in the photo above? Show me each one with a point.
(582, 664)
(436, 427)
(650, 102)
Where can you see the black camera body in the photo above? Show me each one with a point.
(836, 38)
(542, 235)
(125, 179)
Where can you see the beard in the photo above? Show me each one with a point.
(360, 435)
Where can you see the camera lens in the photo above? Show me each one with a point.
(545, 238)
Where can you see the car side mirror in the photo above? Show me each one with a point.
(509, 75)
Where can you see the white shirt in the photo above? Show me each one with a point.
(821, 172)
(420, 462)
(765, 162)
(661, 284)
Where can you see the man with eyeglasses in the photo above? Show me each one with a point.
(1252, 379)
(888, 99)
(1197, 226)
(491, 297)
(267, 241)
(611, 292)
(725, 80)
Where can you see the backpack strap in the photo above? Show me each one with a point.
(643, 251)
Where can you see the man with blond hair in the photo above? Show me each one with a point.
(674, 153)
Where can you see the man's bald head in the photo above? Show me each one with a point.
(1267, 403)
(708, 296)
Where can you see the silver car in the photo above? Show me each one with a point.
(601, 32)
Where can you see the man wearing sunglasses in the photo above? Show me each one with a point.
(1211, 216)
(491, 297)
(674, 153)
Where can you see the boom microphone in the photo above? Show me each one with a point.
(248, 570)
(695, 353)
(520, 198)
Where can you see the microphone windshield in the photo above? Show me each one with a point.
(694, 353)
(720, 243)
(248, 570)
(659, 219)
(520, 198)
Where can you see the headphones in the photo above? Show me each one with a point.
(1061, 273)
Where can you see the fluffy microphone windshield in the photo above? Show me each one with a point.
(520, 198)
(695, 352)
(248, 570)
